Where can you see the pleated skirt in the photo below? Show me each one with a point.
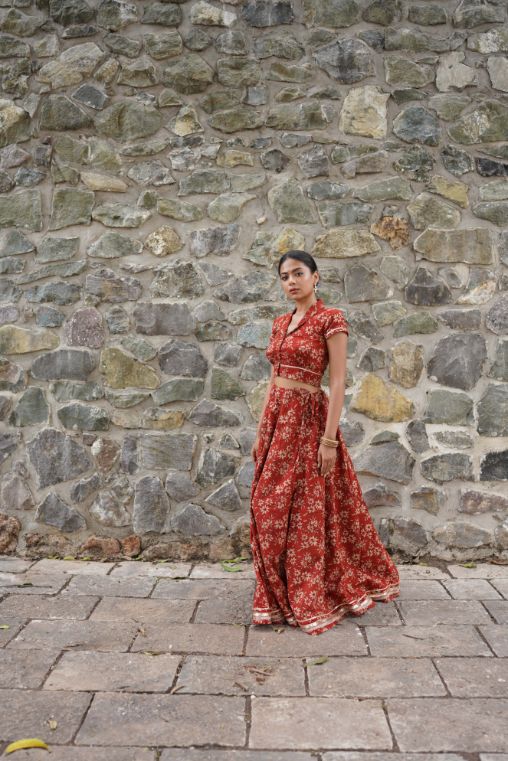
(316, 553)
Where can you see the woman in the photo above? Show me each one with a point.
(317, 555)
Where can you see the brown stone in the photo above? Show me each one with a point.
(10, 526)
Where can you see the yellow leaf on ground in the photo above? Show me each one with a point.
(27, 742)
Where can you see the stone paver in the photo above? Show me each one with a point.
(426, 641)
(27, 713)
(9, 627)
(217, 571)
(113, 672)
(422, 589)
(497, 637)
(444, 724)
(374, 677)
(25, 669)
(430, 612)
(285, 641)
(143, 610)
(15, 565)
(501, 585)
(139, 661)
(95, 753)
(480, 571)
(32, 583)
(475, 677)
(318, 723)
(84, 635)
(127, 569)
(498, 609)
(472, 589)
(45, 606)
(74, 567)
(108, 586)
(116, 719)
(242, 676)
(214, 639)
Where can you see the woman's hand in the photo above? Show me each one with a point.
(255, 447)
(326, 459)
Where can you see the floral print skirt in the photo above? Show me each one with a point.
(316, 553)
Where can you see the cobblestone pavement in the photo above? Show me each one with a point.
(138, 661)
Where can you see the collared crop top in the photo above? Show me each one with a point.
(302, 354)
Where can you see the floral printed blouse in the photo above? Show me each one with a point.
(302, 354)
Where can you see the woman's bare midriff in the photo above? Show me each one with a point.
(290, 383)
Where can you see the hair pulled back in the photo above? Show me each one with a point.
(302, 256)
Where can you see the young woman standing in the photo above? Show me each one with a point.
(316, 552)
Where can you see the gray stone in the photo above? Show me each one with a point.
(289, 203)
(496, 319)
(487, 123)
(180, 279)
(299, 116)
(179, 389)
(364, 284)
(207, 413)
(58, 113)
(56, 457)
(53, 511)
(476, 502)
(165, 14)
(495, 212)
(457, 162)
(458, 360)
(346, 60)
(417, 125)
(264, 13)
(492, 411)
(71, 207)
(462, 535)
(226, 497)
(22, 208)
(14, 490)
(448, 467)
(151, 506)
(232, 42)
(499, 368)
(64, 364)
(55, 293)
(494, 466)
(8, 445)
(84, 417)
(162, 451)
(335, 214)
(163, 45)
(448, 407)
(461, 319)
(189, 75)
(192, 520)
(109, 287)
(32, 408)
(279, 45)
(153, 319)
(425, 289)
(228, 206)
(111, 245)
(390, 460)
(425, 209)
(64, 391)
(405, 535)
(214, 240)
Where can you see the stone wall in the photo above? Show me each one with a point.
(156, 159)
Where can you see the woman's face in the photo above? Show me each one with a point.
(296, 279)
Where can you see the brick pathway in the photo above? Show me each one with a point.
(135, 661)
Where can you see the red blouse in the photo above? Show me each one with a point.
(302, 354)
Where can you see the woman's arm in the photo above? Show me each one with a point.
(337, 359)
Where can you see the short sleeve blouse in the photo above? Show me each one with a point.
(302, 354)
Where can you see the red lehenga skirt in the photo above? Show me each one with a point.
(316, 553)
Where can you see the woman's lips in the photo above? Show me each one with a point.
(293, 290)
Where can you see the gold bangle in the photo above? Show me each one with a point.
(329, 441)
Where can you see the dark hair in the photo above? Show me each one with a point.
(302, 256)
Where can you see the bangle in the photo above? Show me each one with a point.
(329, 442)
